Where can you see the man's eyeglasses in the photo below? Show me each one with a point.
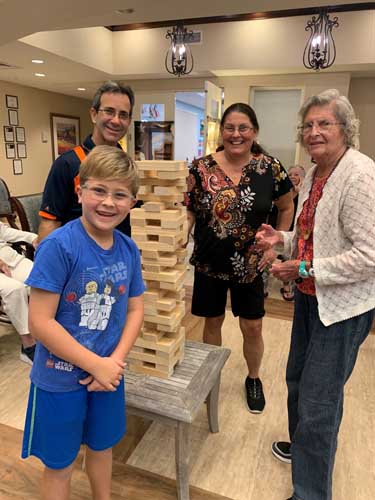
(100, 194)
(112, 113)
(242, 129)
(321, 125)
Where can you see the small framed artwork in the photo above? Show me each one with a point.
(13, 116)
(65, 133)
(20, 134)
(21, 150)
(12, 101)
(10, 150)
(8, 134)
(17, 167)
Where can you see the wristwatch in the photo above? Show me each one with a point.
(311, 272)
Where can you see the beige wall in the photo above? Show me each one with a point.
(362, 97)
(34, 111)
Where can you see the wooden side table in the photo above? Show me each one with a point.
(176, 401)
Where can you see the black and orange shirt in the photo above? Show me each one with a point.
(227, 216)
(60, 200)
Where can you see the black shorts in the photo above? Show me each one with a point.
(210, 297)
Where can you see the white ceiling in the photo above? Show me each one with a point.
(20, 18)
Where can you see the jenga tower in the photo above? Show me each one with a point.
(159, 228)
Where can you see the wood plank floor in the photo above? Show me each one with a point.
(20, 479)
(355, 468)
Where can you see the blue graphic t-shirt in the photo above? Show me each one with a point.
(94, 287)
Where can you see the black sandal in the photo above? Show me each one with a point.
(287, 295)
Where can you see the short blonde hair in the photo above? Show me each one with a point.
(110, 163)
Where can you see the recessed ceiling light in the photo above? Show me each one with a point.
(124, 11)
(81, 89)
(39, 74)
(37, 61)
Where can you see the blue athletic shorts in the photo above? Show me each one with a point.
(57, 423)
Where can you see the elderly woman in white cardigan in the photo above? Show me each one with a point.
(14, 269)
(332, 252)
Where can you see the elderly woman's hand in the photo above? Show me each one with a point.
(267, 259)
(267, 237)
(286, 271)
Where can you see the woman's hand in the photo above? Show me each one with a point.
(286, 271)
(268, 257)
(267, 237)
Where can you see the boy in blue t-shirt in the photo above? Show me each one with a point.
(86, 310)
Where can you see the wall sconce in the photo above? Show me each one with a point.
(179, 58)
(320, 50)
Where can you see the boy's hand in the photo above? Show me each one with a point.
(108, 373)
(92, 385)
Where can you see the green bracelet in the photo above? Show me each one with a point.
(302, 271)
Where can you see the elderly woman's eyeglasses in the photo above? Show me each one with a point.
(100, 194)
(321, 125)
(242, 129)
(112, 113)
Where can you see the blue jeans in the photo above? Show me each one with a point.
(321, 360)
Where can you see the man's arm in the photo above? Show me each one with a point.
(44, 327)
(46, 227)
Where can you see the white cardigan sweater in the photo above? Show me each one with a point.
(9, 235)
(344, 239)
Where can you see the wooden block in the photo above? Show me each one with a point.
(170, 198)
(153, 206)
(169, 276)
(168, 190)
(180, 174)
(166, 165)
(162, 258)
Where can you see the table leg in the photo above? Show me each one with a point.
(213, 407)
(182, 446)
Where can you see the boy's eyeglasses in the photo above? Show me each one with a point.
(242, 129)
(112, 113)
(100, 194)
(321, 125)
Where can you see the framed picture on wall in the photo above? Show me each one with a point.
(17, 167)
(11, 101)
(10, 150)
(21, 150)
(8, 134)
(20, 134)
(13, 116)
(65, 131)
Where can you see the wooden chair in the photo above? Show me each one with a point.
(27, 210)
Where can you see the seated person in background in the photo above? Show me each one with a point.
(14, 269)
(296, 175)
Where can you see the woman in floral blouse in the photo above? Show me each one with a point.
(229, 196)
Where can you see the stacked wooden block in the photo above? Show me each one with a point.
(159, 228)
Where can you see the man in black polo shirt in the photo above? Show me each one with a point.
(111, 113)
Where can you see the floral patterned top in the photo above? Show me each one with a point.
(227, 215)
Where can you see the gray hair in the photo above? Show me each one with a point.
(300, 168)
(343, 111)
(111, 87)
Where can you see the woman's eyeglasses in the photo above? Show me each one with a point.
(321, 125)
(242, 129)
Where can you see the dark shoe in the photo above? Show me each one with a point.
(27, 354)
(281, 450)
(254, 395)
